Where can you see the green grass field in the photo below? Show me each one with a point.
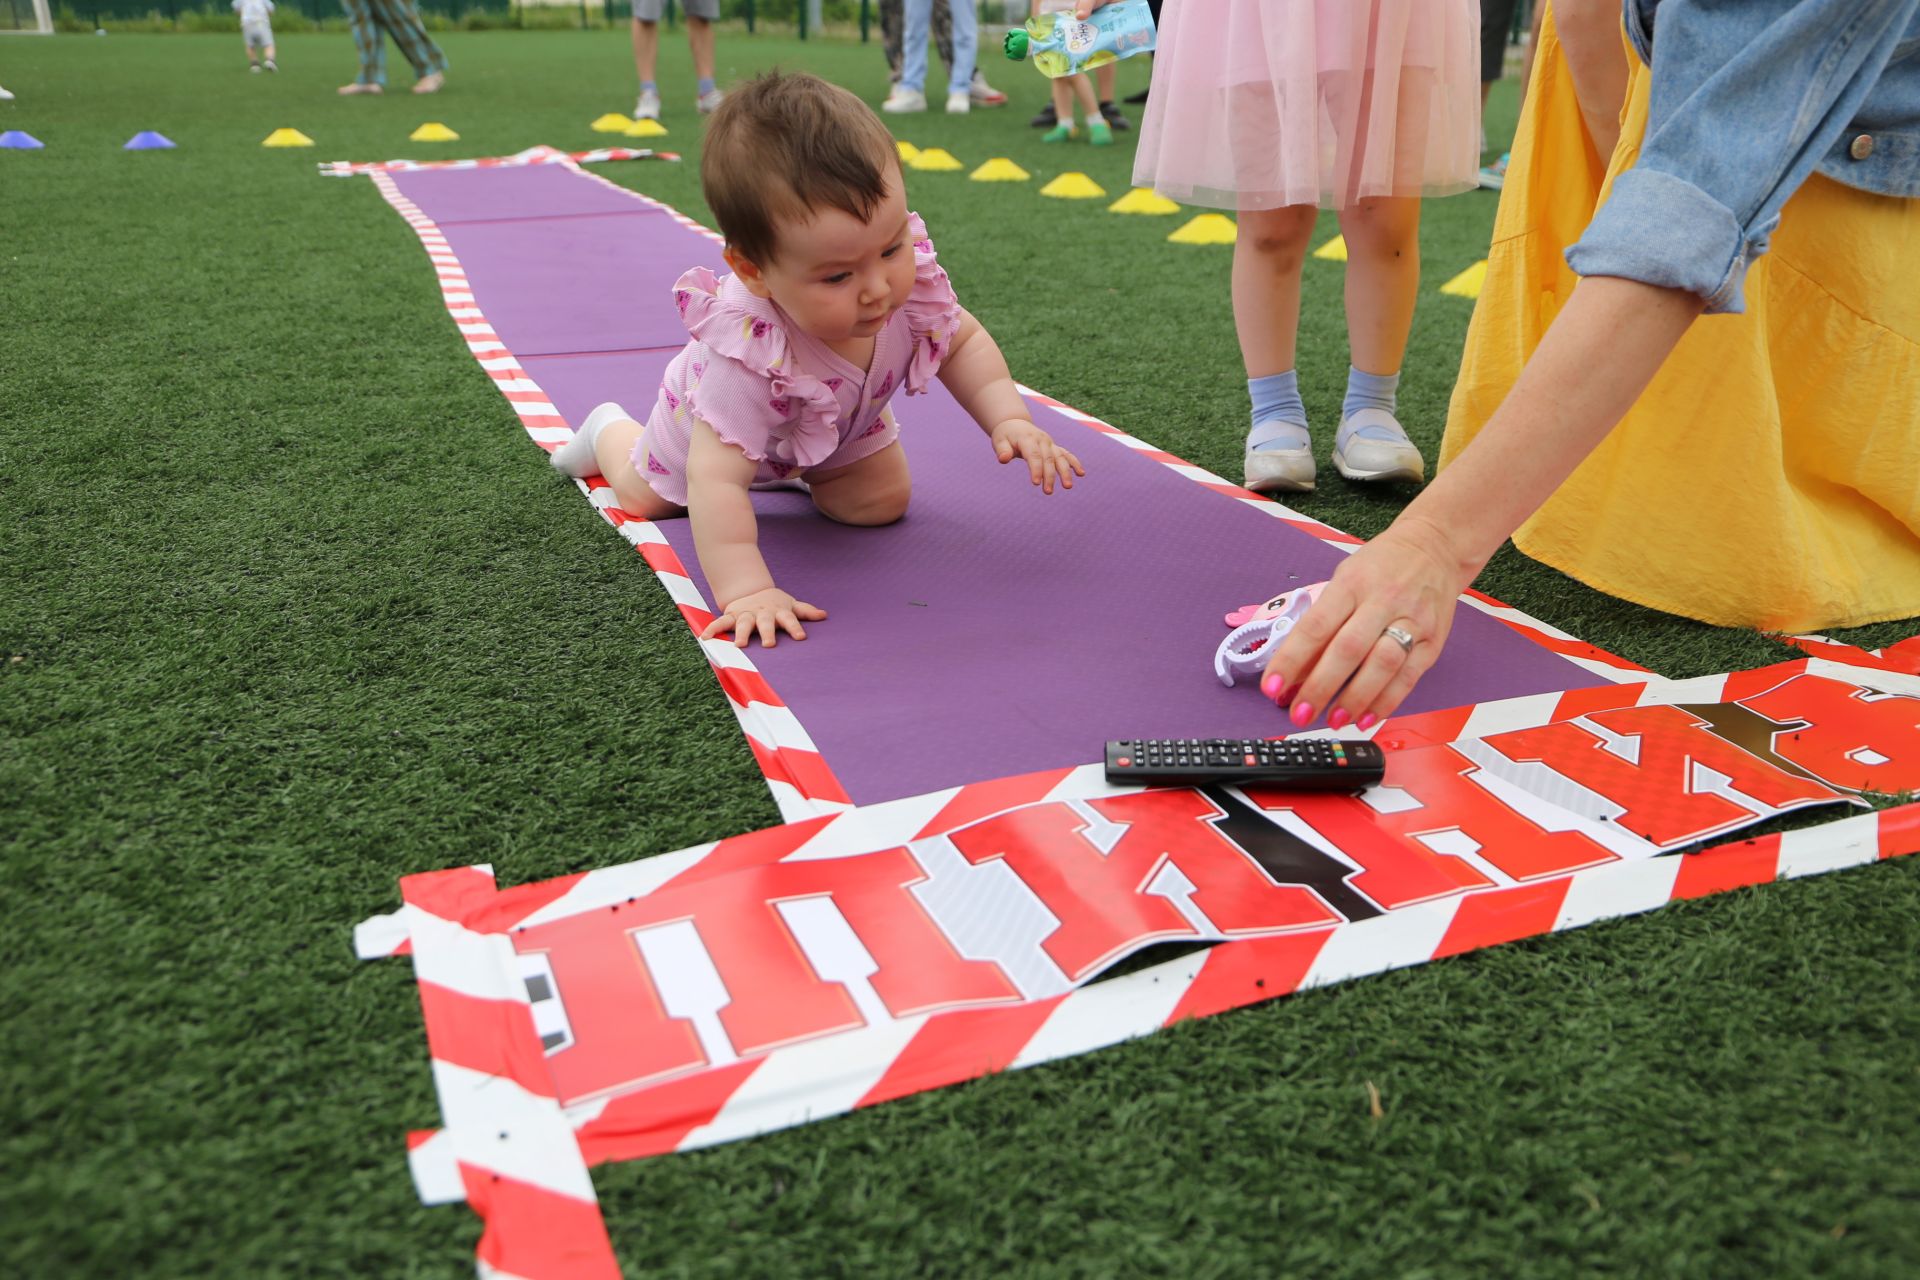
(289, 607)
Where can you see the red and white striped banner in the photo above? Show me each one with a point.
(792, 974)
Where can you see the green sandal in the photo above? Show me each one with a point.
(1059, 133)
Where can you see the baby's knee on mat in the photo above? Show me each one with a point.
(872, 505)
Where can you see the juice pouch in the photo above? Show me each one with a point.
(1061, 45)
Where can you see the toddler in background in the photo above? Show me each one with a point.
(835, 303)
(256, 31)
(1069, 89)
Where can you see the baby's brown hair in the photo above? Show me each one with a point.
(781, 146)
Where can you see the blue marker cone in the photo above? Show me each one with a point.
(14, 140)
(147, 140)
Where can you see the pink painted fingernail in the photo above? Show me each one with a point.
(1368, 720)
(1302, 714)
(1273, 686)
(1338, 720)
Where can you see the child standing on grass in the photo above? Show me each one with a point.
(1285, 107)
(1068, 89)
(835, 303)
(256, 31)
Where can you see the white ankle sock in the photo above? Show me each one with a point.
(576, 457)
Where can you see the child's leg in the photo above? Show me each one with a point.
(1267, 258)
(1062, 111)
(872, 491)
(1383, 283)
(1083, 92)
(269, 51)
(614, 452)
(604, 446)
(1383, 279)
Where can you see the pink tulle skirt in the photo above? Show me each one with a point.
(1258, 104)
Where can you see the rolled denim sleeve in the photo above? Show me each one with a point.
(1746, 99)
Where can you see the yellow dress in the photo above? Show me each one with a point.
(1770, 475)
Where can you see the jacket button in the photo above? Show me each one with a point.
(1862, 147)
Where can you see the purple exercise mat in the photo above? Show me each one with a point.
(996, 631)
(600, 282)
(452, 196)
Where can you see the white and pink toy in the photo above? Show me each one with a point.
(1257, 628)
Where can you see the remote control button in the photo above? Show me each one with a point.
(1125, 762)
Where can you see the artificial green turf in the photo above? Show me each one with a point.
(289, 607)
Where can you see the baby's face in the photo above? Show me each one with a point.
(842, 279)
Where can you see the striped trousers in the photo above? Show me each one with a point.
(373, 20)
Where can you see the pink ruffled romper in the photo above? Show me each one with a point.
(781, 397)
(1257, 104)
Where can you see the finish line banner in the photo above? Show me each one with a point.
(807, 970)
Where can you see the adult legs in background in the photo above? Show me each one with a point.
(966, 49)
(893, 27)
(646, 53)
(369, 42)
(402, 21)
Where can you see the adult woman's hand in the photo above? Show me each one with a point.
(1374, 631)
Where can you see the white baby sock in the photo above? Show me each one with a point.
(576, 457)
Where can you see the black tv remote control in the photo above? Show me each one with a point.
(1297, 764)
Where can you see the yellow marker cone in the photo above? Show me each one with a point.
(1143, 200)
(1334, 250)
(935, 160)
(287, 138)
(1467, 283)
(1208, 228)
(1073, 186)
(610, 123)
(433, 131)
(645, 129)
(906, 149)
(999, 169)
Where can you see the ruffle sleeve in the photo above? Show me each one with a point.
(933, 312)
(750, 392)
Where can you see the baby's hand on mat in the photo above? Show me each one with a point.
(768, 612)
(1046, 460)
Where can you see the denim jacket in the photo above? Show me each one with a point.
(1748, 99)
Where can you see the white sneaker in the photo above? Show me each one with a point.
(1284, 470)
(958, 104)
(576, 457)
(1372, 445)
(269, 65)
(254, 67)
(901, 101)
(710, 101)
(5, 96)
(647, 105)
(984, 94)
